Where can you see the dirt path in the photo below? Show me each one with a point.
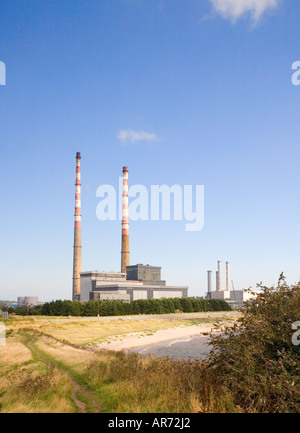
(78, 390)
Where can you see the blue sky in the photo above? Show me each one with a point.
(210, 79)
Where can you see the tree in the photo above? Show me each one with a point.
(3, 306)
(187, 306)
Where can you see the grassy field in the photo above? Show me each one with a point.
(57, 366)
(44, 367)
(29, 384)
(83, 332)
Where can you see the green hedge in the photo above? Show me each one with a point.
(24, 310)
(117, 308)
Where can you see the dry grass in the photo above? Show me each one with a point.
(14, 353)
(124, 383)
(75, 358)
(133, 384)
(90, 332)
(28, 386)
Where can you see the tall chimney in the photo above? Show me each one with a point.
(125, 261)
(209, 281)
(228, 276)
(219, 276)
(217, 281)
(77, 231)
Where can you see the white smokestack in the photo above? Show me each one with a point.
(219, 276)
(209, 273)
(228, 276)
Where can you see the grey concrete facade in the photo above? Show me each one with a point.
(145, 273)
(146, 284)
(134, 293)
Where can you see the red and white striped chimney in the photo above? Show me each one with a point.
(125, 260)
(77, 231)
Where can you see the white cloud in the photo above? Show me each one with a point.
(131, 136)
(234, 9)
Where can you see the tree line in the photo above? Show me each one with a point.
(118, 308)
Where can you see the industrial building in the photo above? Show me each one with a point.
(28, 300)
(235, 298)
(133, 282)
(139, 282)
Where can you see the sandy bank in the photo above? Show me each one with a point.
(138, 339)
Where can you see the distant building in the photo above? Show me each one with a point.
(235, 298)
(28, 300)
(142, 282)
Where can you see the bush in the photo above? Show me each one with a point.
(256, 359)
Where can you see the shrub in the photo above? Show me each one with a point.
(256, 358)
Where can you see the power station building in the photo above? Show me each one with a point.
(235, 298)
(140, 282)
(133, 282)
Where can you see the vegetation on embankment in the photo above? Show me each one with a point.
(254, 368)
(83, 331)
(121, 382)
(117, 308)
